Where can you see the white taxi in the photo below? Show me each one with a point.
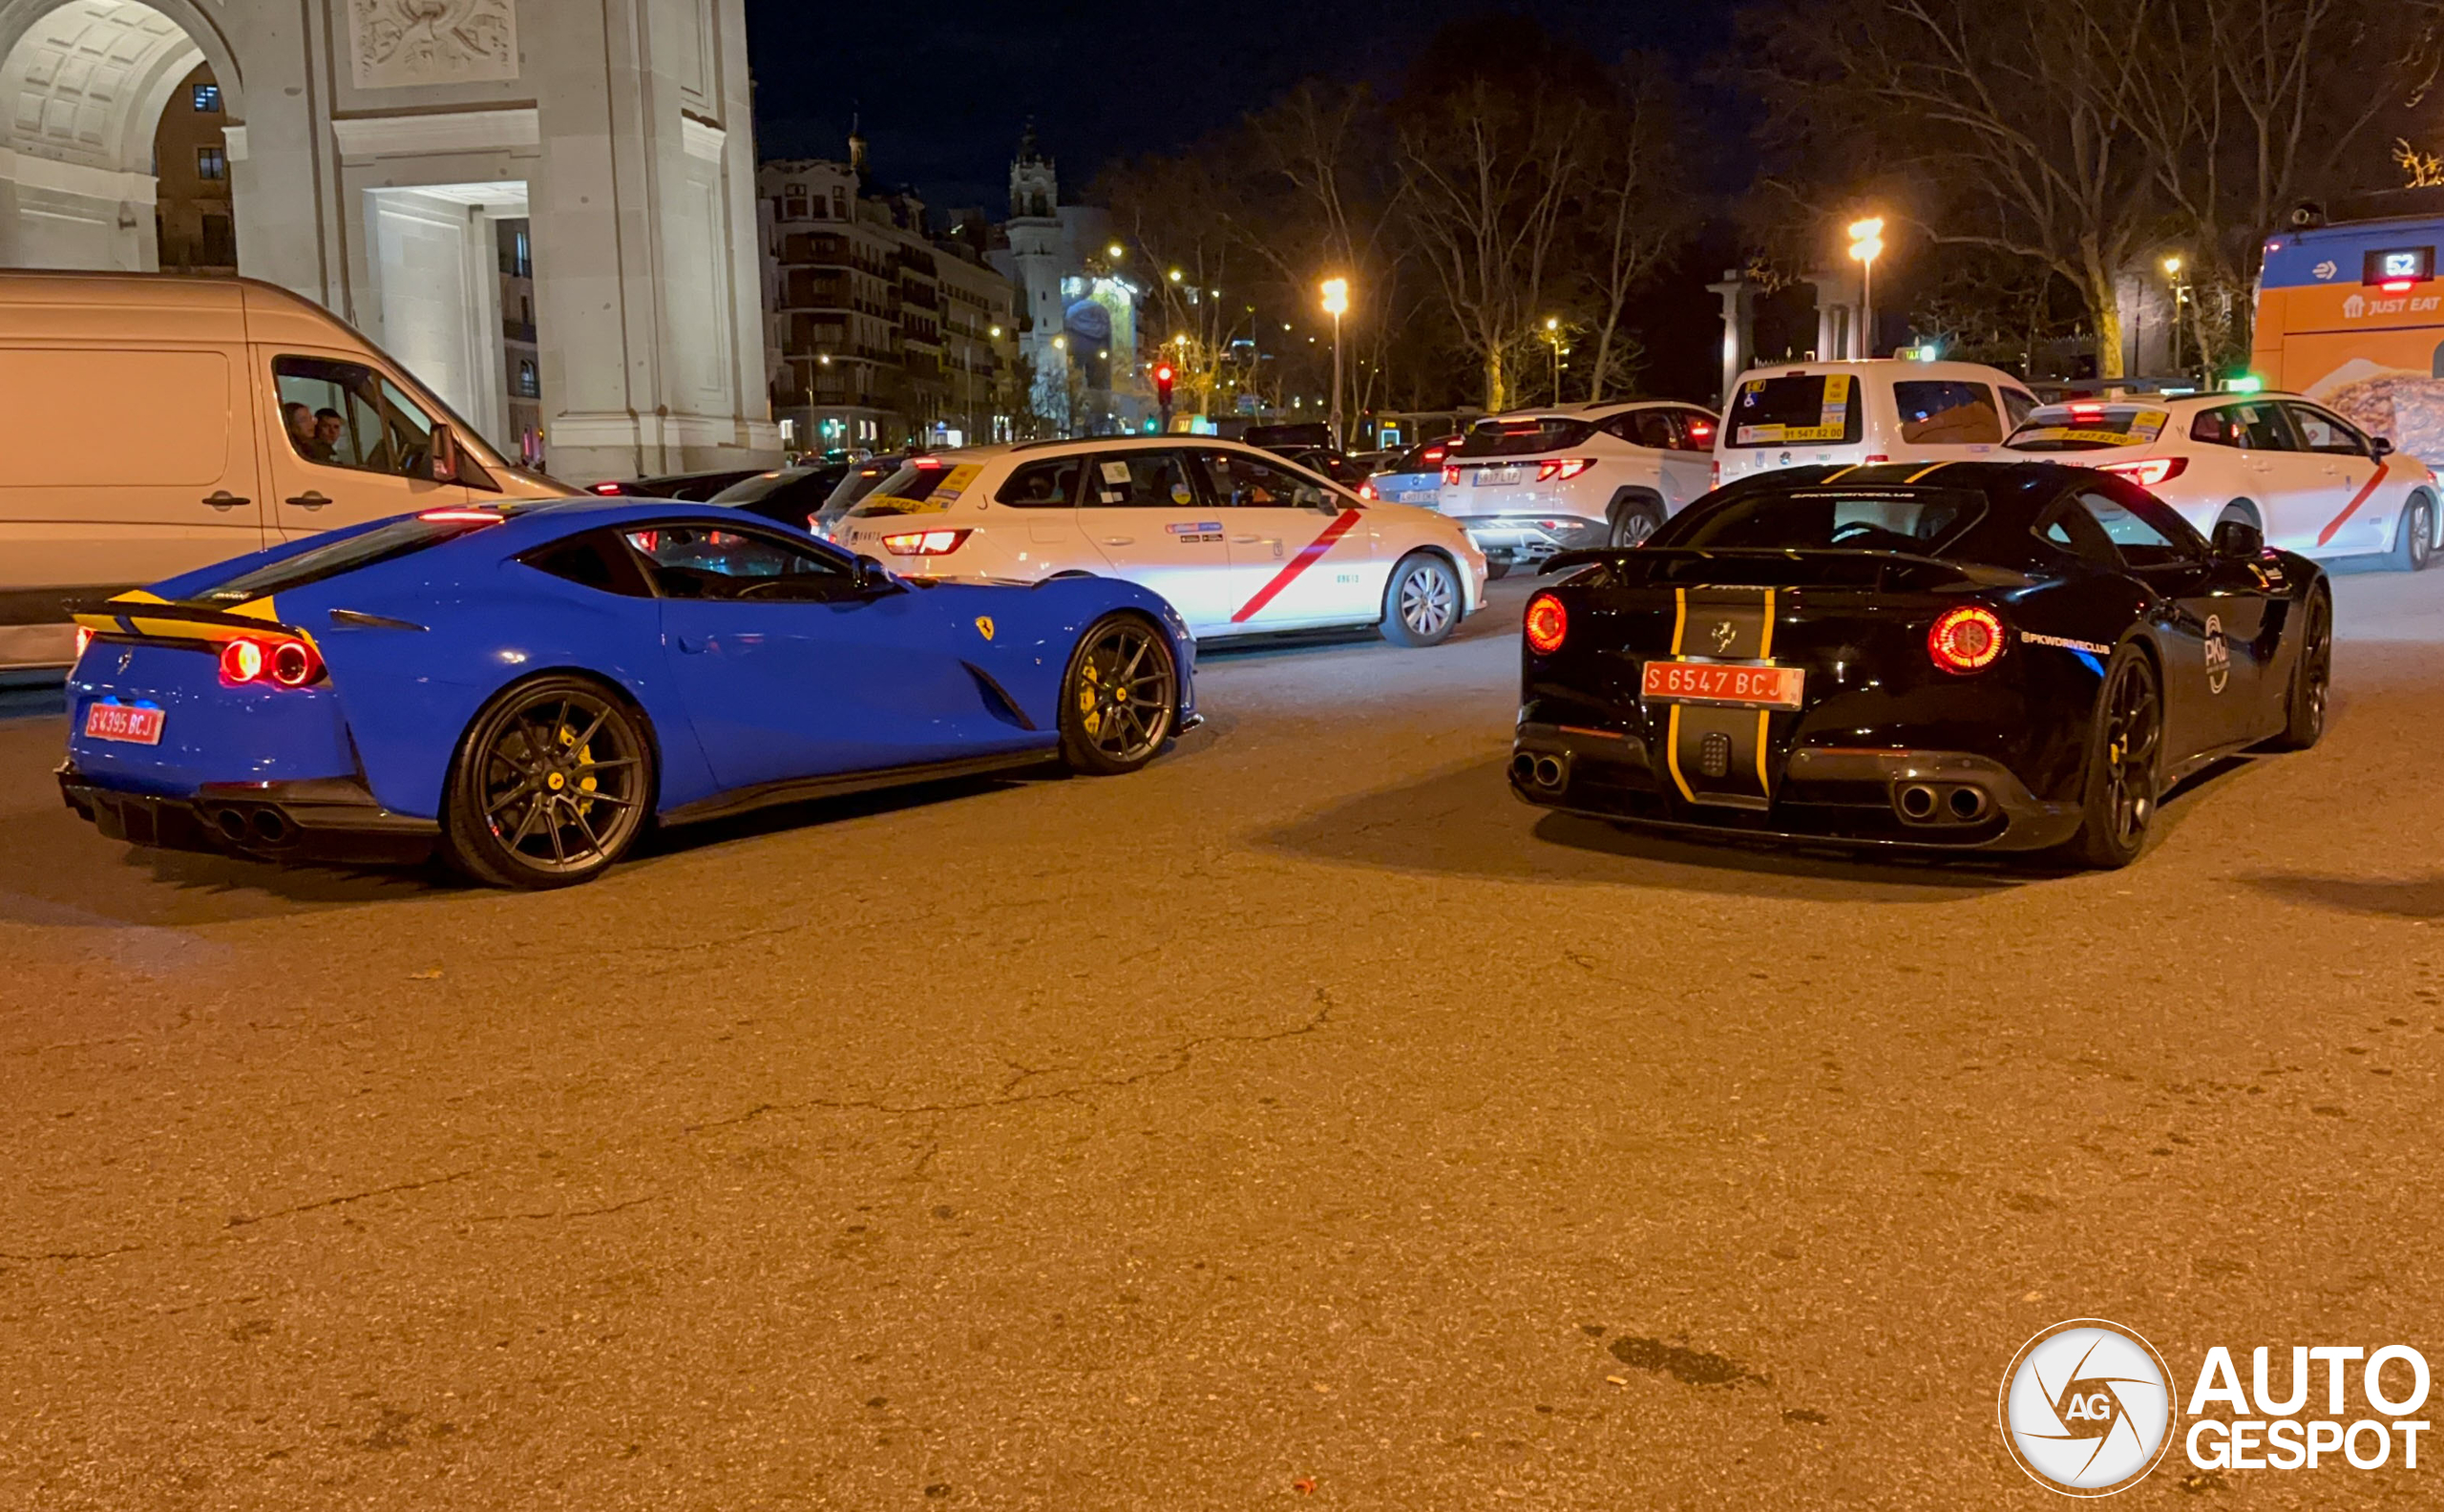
(1239, 540)
(2307, 479)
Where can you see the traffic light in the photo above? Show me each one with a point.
(1163, 376)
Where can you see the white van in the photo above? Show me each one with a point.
(1888, 410)
(152, 423)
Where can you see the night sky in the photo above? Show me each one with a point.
(942, 89)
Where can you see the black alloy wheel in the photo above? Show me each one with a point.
(551, 785)
(1121, 699)
(2123, 755)
(2311, 676)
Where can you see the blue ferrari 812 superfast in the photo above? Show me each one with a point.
(527, 689)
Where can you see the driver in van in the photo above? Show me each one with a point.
(303, 433)
(328, 426)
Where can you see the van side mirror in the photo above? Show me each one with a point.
(442, 447)
(2238, 540)
(2381, 446)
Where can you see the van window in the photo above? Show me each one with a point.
(1794, 410)
(1937, 412)
(344, 414)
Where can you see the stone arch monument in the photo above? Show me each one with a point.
(378, 151)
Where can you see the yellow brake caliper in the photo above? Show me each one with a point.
(1089, 710)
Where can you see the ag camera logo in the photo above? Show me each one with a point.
(2087, 1408)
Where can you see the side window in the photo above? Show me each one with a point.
(2075, 529)
(1051, 484)
(2320, 431)
(1937, 412)
(2017, 406)
(1141, 480)
(2256, 426)
(344, 414)
(592, 560)
(698, 561)
(2141, 542)
(1245, 482)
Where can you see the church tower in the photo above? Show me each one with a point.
(1037, 255)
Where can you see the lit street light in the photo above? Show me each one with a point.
(2180, 297)
(1866, 243)
(1336, 304)
(1553, 339)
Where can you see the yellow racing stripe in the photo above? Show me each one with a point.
(1924, 470)
(1672, 728)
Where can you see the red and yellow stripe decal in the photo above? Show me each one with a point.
(1307, 558)
(2352, 508)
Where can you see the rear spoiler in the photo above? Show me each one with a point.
(1669, 562)
(142, 614)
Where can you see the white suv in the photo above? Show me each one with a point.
(1534, 482)
(1240, 540)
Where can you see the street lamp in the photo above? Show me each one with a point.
(1554, 340)
(2181, 292)
(1117, 251)
(1335, 306)
(1866, 243)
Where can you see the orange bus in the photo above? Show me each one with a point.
(2351, 315)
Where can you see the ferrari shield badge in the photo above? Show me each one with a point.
(984, 626)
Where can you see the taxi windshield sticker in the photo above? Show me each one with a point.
(1832, 417)
(2138, 428)
(954, 483)
(945, 491)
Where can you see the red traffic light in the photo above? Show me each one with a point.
(1163, 376)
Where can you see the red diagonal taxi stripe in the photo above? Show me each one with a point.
(2356, 499)
(1291, 569)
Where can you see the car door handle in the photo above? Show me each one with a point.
(224, 499)
(309, 499)
(1120, 540)
(1244, 539)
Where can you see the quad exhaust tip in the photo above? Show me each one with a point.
(1917, 801)
(1945, 803)
(1544, 771)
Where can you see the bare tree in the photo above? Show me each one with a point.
(2013, 115)
(1488, 178)
(1184, 216)
(1325, 145)
(1636, 210)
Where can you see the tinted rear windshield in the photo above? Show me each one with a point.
(763, 485)
(922, 486)
(1918, 520)
(383, 542)
(1497, 438)
(1794, 410)
(2088, 428)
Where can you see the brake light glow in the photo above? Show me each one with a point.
(1366, 490)
(609, 489)
(1873, 460)
(1433, 455)
(463, 516)
(1561, 467)
(2084, 409)
(2396, 286)
(281, 661)
(1966, 639)
(1701, 430)
(925, 543)
(1714, 476)
(1548, 623)
(2146, 472)
(84, 639)
(1451, 472)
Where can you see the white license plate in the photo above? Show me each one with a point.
(1495, 477)
(123, 722)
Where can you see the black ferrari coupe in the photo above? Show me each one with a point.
(1964, 656)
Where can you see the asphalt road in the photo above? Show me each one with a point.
(1300, 1121)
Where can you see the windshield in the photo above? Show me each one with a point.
(1794, 410)
(2088, 428)
(381, 543)
(1918, 520)
(1501, 438)
(925, 485)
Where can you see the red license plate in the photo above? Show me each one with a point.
(123, 722)
(1722, 683)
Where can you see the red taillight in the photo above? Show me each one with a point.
(2146, 472)
(608, 489)
(2396, 286)
(84, 639)
(1702, 431)
(1714, 476)
(1451, 472)
(1966, 639)
(925, 543)
(1561, 467)
(1433, 455)
(283, 662)
(2086, 409)
(1548, 623)
(1873, 460)
(1366, 490)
